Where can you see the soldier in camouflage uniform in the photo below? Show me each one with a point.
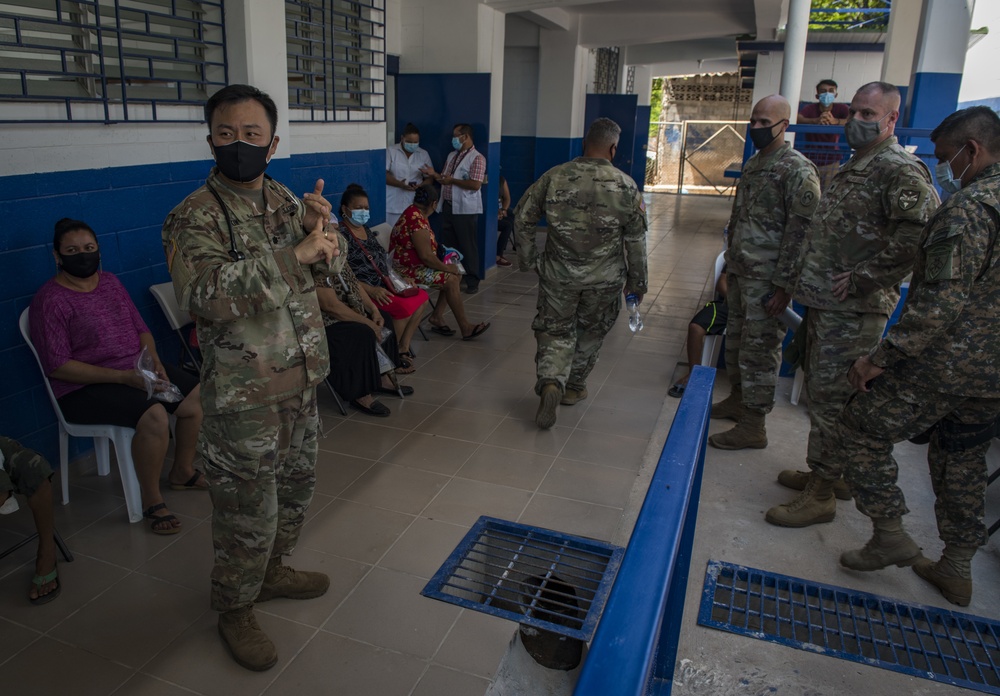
(27, 472)
(937, 370)
(596, 244)
(861, 243)
(778, 192)
(239, 250)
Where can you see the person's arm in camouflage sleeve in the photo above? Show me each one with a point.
(801, 198)
(634, 240)
(909, 201)
(528, 212)
(213, 286)
(955, 251)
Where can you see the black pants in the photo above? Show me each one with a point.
(505, 227)
(459, 232)
(353, 363)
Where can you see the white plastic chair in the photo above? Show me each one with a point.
(713, 344)
(167, 299)
(120, 436)
(382, 232)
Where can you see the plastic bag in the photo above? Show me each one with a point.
(453, 256)
(156, 388)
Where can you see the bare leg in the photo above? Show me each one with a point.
(188, 426)
(149, 448)
(695, 343)
(407, 328)
(40, 505)
(453, 297)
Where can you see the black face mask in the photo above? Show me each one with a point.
(762, 137)
(241, 161)
(82, 265)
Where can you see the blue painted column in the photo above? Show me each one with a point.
(940, 59)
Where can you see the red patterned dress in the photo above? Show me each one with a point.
(405, 254)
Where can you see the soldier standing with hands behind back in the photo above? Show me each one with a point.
(937, 371)
(777, 194)
(596, 244)
(239, 250)
(860, 244)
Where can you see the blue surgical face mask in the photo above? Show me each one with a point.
(411, 147)
(456, 143)
(826, 98)
(945, 178)
(361, 216)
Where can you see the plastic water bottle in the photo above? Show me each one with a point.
(634, 318)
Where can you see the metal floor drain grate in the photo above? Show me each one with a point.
(921, 641)
(530, 575)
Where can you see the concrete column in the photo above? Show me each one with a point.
(901, 45)
(562, 83)
(262, 26)
(794, 56)
(941, 47)
(644, 84)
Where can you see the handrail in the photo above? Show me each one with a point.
(636, 639)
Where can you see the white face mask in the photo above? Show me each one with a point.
(946, 178)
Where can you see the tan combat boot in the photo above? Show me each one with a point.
(748, 433)
(282, 581)
(249, 645)
(797, 480)
(545, 418)
(952, 574)
(731, 407)
(889, 545)
(573, 396)
(815, 504)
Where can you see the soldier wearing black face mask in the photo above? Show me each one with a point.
(778, 191)
(239, 250)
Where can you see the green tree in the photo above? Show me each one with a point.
(842, 18)
(655, 105)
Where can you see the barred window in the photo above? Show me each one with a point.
(336, 60)
(109, 60)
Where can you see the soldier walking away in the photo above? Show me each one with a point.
(776, 197)
(238, 250)
(937, 372)
(596, 245)
(860, 244)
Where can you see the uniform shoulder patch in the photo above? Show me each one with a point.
(908, 198)
(940, 261)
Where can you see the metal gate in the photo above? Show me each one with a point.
(693, 156)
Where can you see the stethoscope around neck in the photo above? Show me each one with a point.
(234, 253)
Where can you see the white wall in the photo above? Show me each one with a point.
(564, 74)
(492, 26)
(439, 36)
(850, 69)
(520, 90)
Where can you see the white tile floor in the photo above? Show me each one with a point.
(393, 498)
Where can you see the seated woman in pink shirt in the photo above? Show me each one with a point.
(88, 335)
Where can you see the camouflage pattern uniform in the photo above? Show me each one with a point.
(868, 222)
(596, 244)
(942, 365)
(776, 197)
(21, 470)
(264, 350)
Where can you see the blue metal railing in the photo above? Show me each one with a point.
(635, 646)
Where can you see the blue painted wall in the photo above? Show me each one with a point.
(126, 205)
(623, 110)
(434, 103)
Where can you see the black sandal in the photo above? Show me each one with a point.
(406, 365)
(160, 519)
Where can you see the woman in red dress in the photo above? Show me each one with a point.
(414, 250)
